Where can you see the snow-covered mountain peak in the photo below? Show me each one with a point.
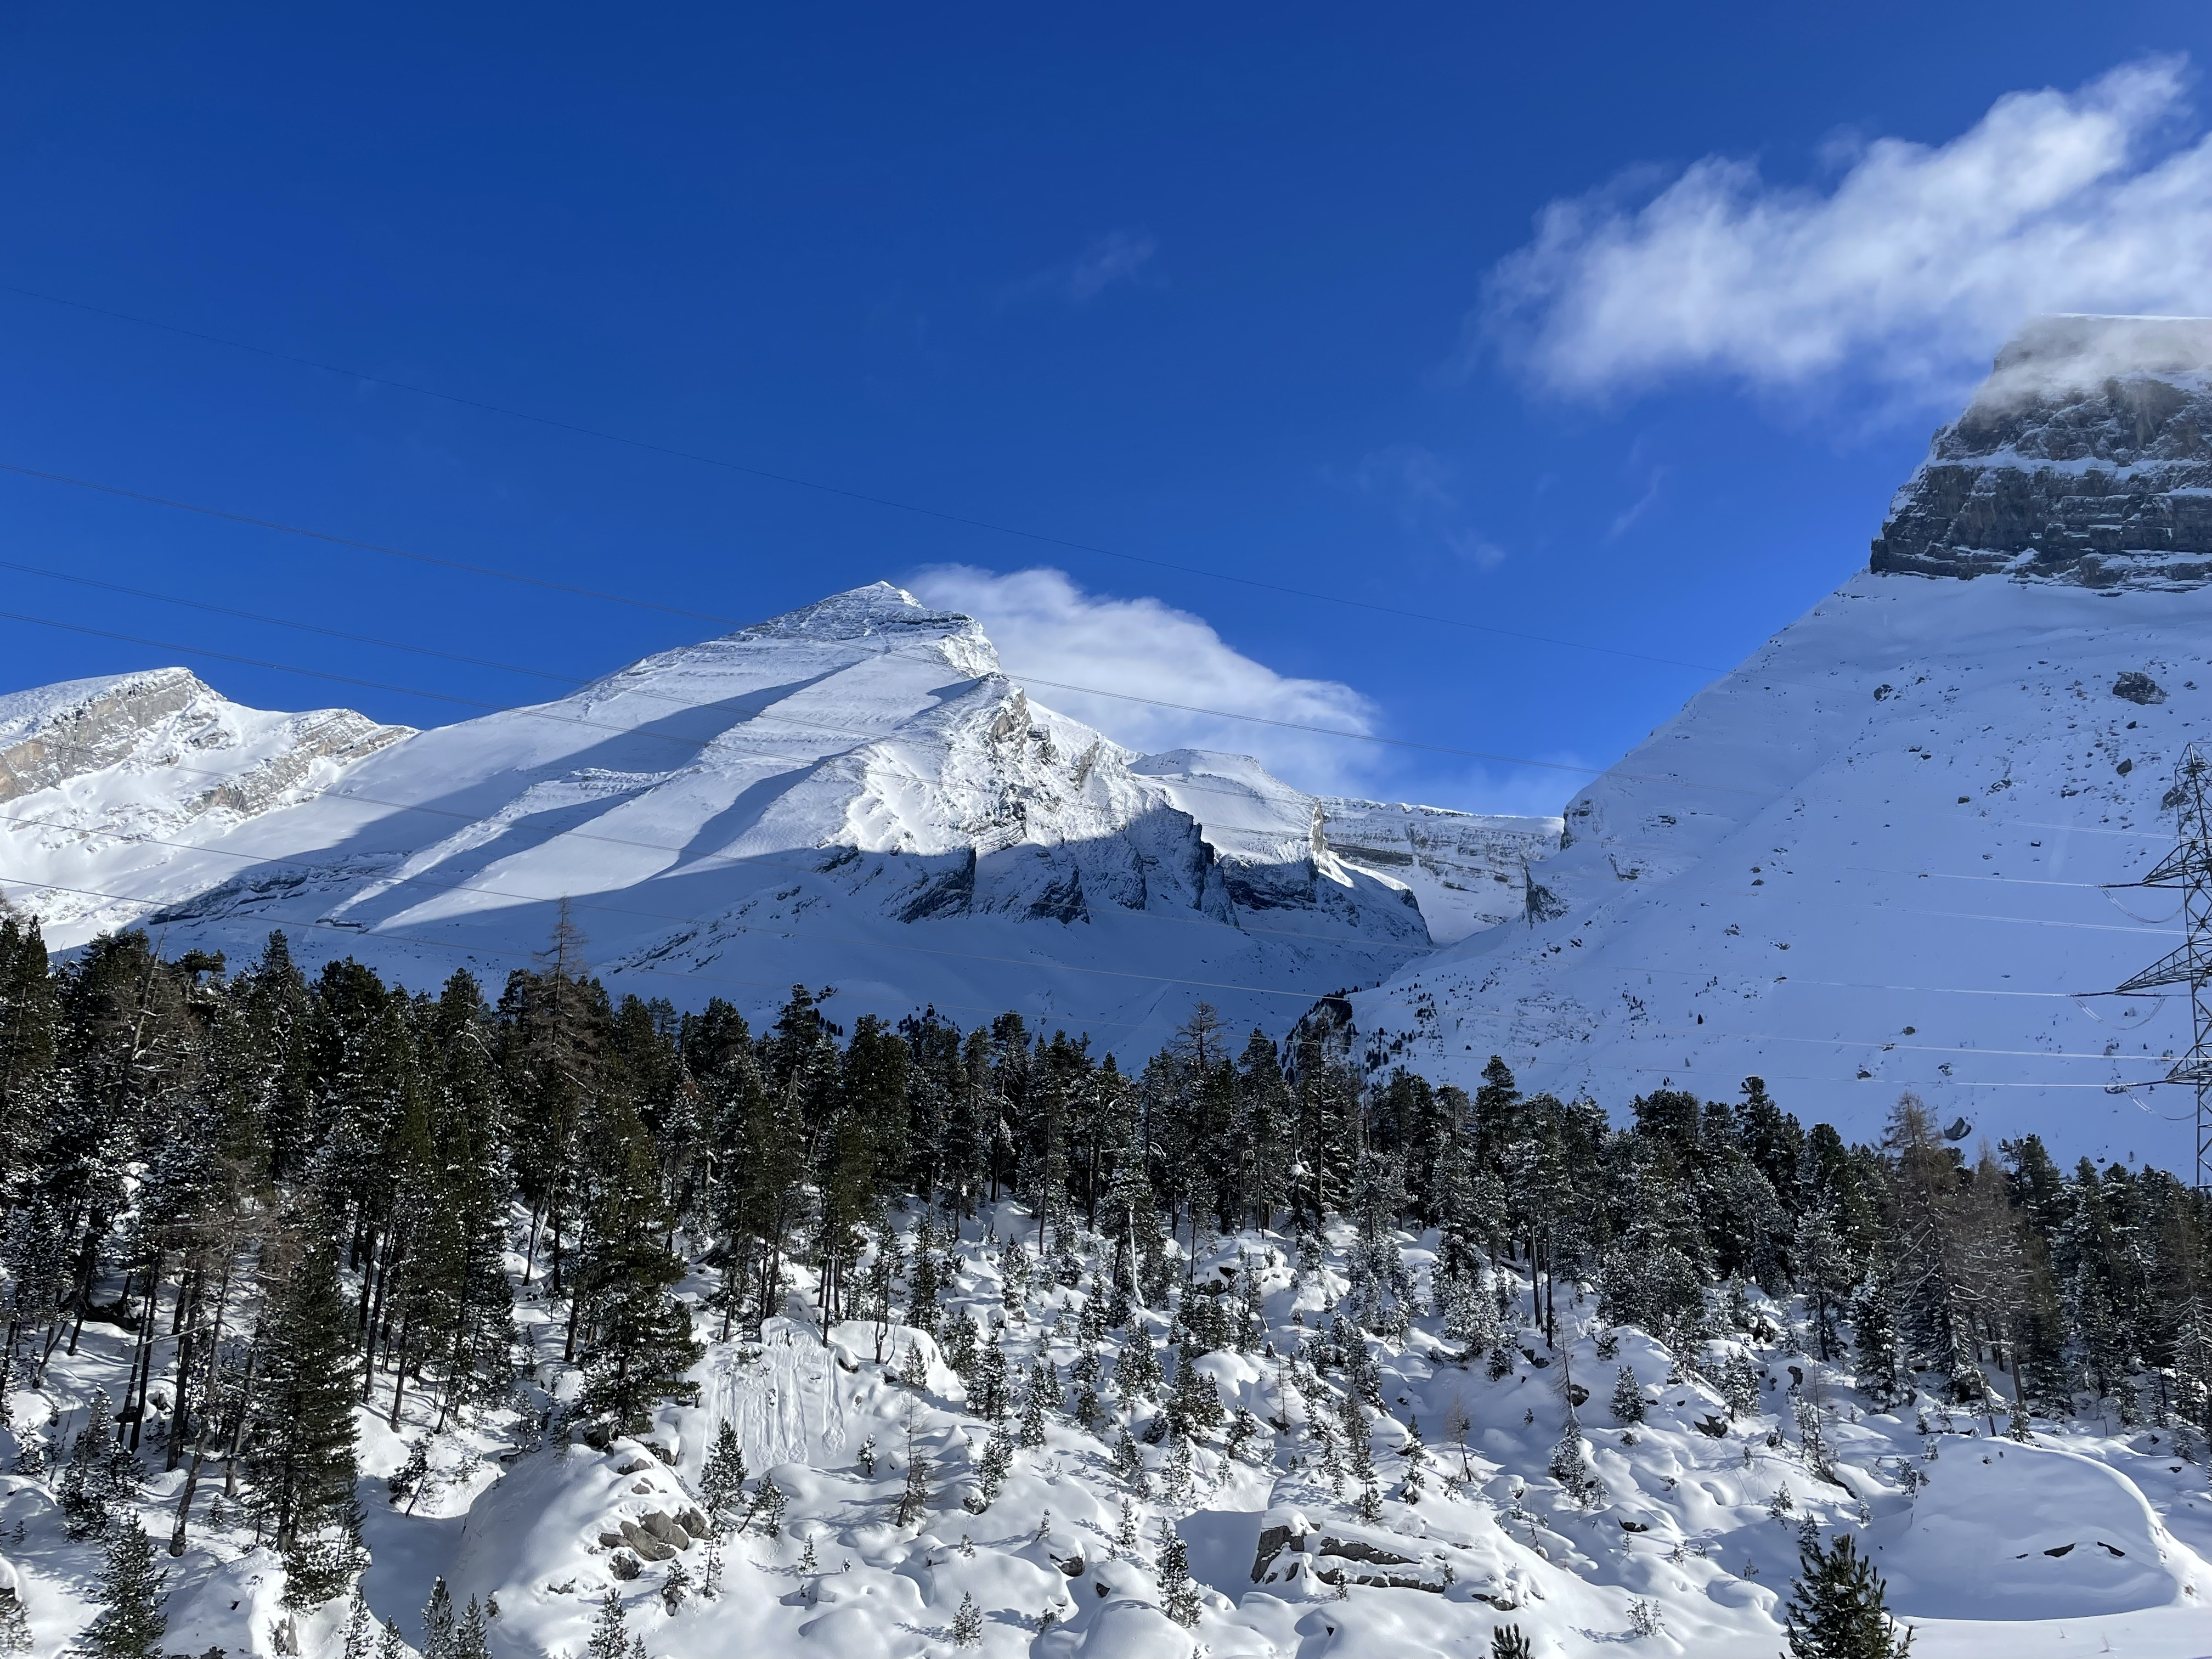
(851, 793)
(888, 617)
(2085, 458)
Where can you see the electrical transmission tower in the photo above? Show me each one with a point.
(2188, 868)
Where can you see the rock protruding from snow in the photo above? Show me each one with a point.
(244, 760)
(2086, 459)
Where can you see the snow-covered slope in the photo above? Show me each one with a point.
(156, 755)
(2090, 1538)
(852, 794)
(1869, 859)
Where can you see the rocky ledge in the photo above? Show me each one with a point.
(2086, 458)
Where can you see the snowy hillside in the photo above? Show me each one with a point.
(1869, 859)
(910, 1517)
(850, 795)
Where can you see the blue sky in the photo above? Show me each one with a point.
(1258, 291)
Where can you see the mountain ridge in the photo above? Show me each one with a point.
(805, 793)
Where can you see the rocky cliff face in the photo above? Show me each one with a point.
(2086, 459)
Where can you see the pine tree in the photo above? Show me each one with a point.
(1507, 1641)
(966, 1623)
(769, 1503)
(14, 1624)
(1175, 1472)
(1568, 1467)
(610, 1638)
(1837, 1607)
(1138, 1374)
(1417, 1458)
(132, 1620)
(471, 1639)
(991, 1471)
(987, 1381)
(678, 1583)
(438, 1622)
(1178, 1595)
(1036, 1401)
(82, 1488)
(710, 1580)
(390, 1645)
(635, 1339)
(361, 1629)
(1628, 1402)
(1128, 1462)
(1194, 1406)
(1881, 1366)
(722, 1481)
(914, 1494)
(304, 1444)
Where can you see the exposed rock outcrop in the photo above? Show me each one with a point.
(2086, 459)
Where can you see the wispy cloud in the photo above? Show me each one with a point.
(1909, 269)
(1417, 484)
(1047, 627)
(1629, 514)
(1120, 256)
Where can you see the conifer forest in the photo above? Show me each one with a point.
(310, 1222)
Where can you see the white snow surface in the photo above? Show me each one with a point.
(1869, 859)
(852, 795)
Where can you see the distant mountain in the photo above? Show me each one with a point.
(1868, 859)
(853, 794)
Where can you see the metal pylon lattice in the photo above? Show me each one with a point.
(2188, 868)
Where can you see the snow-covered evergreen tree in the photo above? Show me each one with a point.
(722, 1480)
(1837, 1608)
(1629, 1404)
(132, 1619)
(1179, 1597)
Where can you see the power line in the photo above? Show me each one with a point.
(284, 622)
(816, 485)
(616, 598)
(136, 838)
(1096, 691)
(724, 705)
(1534, 1060)
(742, 861)
(473, 951)
(247, 518)
(544, 712)
(746, 927)
(2188, 868)
(451, 887)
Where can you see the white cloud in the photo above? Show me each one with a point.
(1046, 628)
(1112, 258)
(1911, 268)
(1118, 256)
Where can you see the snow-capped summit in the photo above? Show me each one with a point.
(2086, 458)
(877, 611)
(852, 793)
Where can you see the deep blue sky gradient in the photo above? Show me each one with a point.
(834, 242)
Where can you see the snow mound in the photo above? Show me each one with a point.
(2016, 1531)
